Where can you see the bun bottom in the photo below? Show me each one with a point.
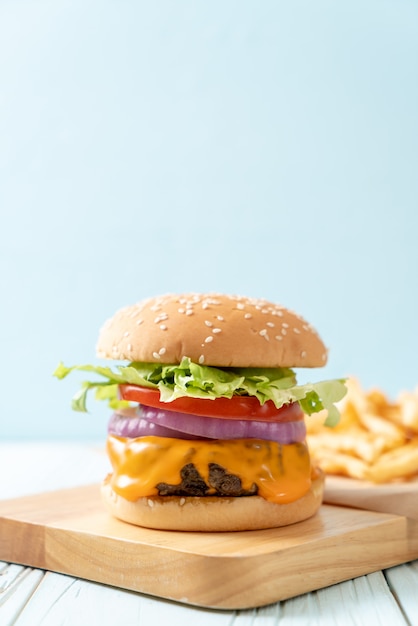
(211, 513)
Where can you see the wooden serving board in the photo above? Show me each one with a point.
(70, 532)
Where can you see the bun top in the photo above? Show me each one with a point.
(211, 329)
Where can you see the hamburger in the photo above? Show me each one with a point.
(207, 430)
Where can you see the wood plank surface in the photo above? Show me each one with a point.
(403, 583)
(69, 531)
(59, 599)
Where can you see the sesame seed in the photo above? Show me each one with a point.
(139, 322)
(217, 330)
(297, 331)
(205, 305)
(163, 327)
(264, 334)
(284, 331)
(201, 359)
(264, 311)
(220, 318)
(270, 324)
(303, 354)
(278, 337)
(155, 355)
(248, 316)
(208, 323)
(182, 501)
(180, 310)
(150, 503)
(162, 351)
(285, 325)
(126, 334)
(161, 318)
(189, 312)
(279, 313)
(129, 347)
(208, 339)
(240, 306)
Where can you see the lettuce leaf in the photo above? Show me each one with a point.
(198, 381)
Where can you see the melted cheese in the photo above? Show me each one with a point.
(281, 472)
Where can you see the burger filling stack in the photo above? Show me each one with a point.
(207, 430)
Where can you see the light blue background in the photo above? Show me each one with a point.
(263, 148)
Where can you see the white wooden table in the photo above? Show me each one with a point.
(30, 597)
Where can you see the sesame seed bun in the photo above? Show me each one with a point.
(211, 513)
(211, 329)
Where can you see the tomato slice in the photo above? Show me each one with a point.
(237, 407)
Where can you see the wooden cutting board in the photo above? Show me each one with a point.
(70, 532)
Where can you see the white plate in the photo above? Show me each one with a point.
(399, 498)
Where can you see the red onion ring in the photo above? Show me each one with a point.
(148, 420)
(123, 425)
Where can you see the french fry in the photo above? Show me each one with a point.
(377, 399)
(332, 462)
(400, 462)
(357, 443)
(356, 396)
(408, 414)
(382, 427)
(375, 440)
